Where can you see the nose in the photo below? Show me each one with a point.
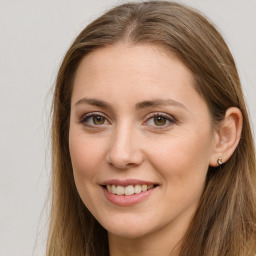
(125, 149)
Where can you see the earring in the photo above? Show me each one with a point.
(220, 161)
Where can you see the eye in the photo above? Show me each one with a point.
(160, 120)
(94, 119)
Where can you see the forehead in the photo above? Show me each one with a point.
(130, 55)
(144, 64)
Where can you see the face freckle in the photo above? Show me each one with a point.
(154, 128)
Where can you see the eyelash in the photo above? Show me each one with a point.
(166, 118)
(86, 117)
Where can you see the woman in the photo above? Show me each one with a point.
(151, 142)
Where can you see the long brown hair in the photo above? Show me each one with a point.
(225, 221)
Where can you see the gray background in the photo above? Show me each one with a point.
(34, 37)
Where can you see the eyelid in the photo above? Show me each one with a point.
(92, 114)
(168, 117)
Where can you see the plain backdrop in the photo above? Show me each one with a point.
(34, 36)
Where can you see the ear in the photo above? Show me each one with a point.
(227, 136)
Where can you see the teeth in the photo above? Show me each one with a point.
(150, 186)
(128, 190)
(144, 188)
(120, 190)
(109, 188)
(137, 189)
(113, 187)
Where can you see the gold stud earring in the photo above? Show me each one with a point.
(220, 161)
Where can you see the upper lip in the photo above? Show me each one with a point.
(126, 182)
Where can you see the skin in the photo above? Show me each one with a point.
(127, 143)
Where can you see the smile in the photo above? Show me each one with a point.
(128, 190)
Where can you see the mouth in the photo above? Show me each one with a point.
(128, 190)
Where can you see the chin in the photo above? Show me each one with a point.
(128, 233)
(129, 229)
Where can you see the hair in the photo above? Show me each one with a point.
(225, 221)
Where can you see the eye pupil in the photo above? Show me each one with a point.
(159, 120)
(98, 120)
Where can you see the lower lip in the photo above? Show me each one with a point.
(127, 200)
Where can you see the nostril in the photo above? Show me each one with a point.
(123, 155)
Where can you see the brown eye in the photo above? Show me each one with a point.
(98, 120)
(94, 120)
(159, 120)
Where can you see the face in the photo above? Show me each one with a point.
(140, 139)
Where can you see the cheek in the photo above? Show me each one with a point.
(85, 156)
(183, 159)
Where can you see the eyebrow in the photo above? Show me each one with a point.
(138, 106)
(93, 102)
(159, 102)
